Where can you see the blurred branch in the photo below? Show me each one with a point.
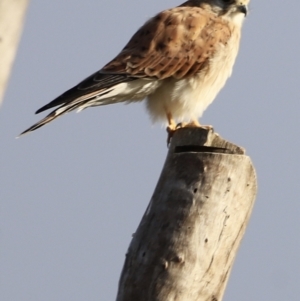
(12, 14)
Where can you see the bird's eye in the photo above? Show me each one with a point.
(229, 2)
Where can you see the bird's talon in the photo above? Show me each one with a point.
(170, 130)
(180, 125)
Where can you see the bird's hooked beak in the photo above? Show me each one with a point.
(243, 9)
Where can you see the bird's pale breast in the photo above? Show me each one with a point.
(187, 98)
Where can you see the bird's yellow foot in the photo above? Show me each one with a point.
(171, 128)
(193, 124)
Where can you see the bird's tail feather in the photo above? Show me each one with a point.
(95, 98)
(79, 103)
(53, 115)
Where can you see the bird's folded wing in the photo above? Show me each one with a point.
(178, 42)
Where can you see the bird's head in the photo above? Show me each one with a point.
(235, 10)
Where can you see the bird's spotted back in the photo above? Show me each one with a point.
(176, 43)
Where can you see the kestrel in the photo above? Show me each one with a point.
(179, 60)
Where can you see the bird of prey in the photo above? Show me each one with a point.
(178, 60)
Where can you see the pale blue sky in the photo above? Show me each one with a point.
(73, 192)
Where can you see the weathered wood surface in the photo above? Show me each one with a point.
(185, 245)
(12, 14)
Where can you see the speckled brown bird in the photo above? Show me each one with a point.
(179, 60)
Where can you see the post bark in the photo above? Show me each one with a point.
(12, 14)
(185, 245)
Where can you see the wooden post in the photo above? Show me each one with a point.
(185, 245)
(12, 14)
